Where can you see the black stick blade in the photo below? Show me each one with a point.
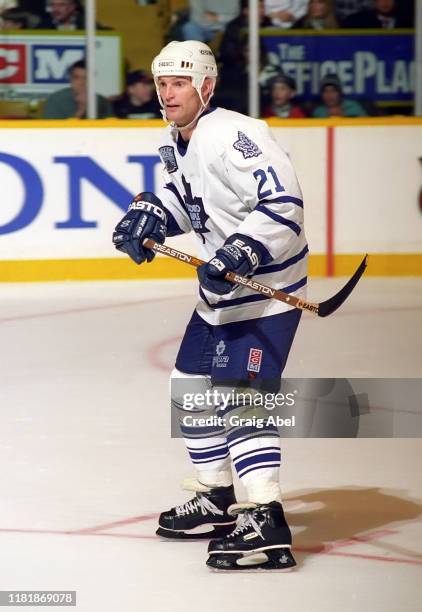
(329, 306)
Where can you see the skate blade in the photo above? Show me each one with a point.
(180, 536)
(216, 532)
(254, 562)
(251, 570)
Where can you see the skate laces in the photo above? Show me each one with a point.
(199, 502)
(246, 521)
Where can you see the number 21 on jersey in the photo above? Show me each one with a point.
(267, 185)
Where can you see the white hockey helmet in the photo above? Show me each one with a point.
(190, 58)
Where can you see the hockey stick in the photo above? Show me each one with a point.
(323, 309)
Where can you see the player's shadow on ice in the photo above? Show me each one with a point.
(325, 519)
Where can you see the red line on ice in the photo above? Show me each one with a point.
(129, 521)
(326, 549)
(71, 311)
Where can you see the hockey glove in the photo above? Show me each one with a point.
(239, 254)
(146, 218)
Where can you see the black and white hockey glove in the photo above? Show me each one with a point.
(146, 218)
(239, 254)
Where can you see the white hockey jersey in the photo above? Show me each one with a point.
(232, 177)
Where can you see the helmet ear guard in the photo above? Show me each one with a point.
(190, 58)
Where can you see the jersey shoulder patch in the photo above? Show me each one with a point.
(246, 146)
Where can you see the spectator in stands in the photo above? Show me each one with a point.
(344, 8)
(71, 102)
(139, 100)
(284, 13)
(230, 47)
(384, 14)
(64, 15)
(6, 5)
(207, 17)
(319, 16)
(16, 19)
(282, 91)
(333, 103)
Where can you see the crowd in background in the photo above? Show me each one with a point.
(65, 15)
(223, 24)
(205, 18)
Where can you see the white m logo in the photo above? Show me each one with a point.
(51, 65)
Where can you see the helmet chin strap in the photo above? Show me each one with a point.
(174, 125)
(203, 106)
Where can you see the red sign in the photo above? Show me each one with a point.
(12, 63)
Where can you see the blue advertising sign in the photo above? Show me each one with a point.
(50, 63)
(377, 66)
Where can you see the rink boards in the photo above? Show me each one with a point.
(65, 184)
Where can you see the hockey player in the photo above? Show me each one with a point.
(226, 179)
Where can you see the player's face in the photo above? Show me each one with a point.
(180, 99)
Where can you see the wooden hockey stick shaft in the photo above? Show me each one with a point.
(323, 309)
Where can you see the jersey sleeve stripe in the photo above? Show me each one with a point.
(283, 200)
(282, 220)
(236, 301)
(282, 266)
(295, 286)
